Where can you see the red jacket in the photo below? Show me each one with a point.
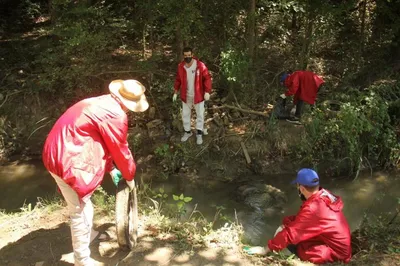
(303, 85)
(202, 83)
(319, 230)
(85, 141)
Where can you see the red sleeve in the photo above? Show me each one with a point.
(304, 226)
(114, 133)
(293, 84)
(109, 164)
(288, 219)
(206, 79)
(178, 81)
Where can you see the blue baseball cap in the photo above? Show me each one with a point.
(283, 77)
(307, 177)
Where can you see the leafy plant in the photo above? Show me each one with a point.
(171, 157)
(361, 132)
(180, 202)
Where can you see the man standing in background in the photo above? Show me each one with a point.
(193, 81)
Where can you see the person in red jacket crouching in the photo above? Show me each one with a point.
(319, 233)
(82, 145)
(304, 86)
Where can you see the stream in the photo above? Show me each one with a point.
(373, 193)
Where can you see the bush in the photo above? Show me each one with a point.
(361, 132)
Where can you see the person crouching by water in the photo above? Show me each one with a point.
(319, 233)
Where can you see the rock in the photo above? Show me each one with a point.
(177, 124)
(226, 121)
(152, 112)
(155, 128)
(262, 197)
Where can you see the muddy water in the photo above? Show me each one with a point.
(24, 182)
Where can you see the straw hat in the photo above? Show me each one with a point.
(131, 93)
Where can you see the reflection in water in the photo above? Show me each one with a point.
(24, 182)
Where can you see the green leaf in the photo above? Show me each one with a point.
(161, 190)
(175, 197)
(181, 197)
(187, 199)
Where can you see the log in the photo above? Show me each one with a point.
(241, 110)
(246, 154)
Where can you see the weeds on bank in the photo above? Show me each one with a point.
(43, 205)
(172, 157)
(171, 218)
(361, 133)
(379, 233)
(104, 201)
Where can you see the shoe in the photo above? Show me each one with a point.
(294, 120)
(199, 139)
(186, 136)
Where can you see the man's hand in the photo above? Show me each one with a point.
(206, 96)
(256, 250)
(283, 96)
(131, 184)
(174, 97)
(116, 176)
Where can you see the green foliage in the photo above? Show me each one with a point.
(380, 235)
(103, 201)
(172, 157)
(86, 38)
(234, 65)
(180, 203)
(361, 131)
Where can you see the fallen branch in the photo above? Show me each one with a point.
(246, 154)
(241, 110)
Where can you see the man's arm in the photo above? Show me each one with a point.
(114, 133)
(304, 226)
(178, 81)
(207, 81)
(288, 219)
(294, 84)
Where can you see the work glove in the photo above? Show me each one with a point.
(174, 97)
(206, 96)
(131, 184)
(283, 96)
(255, 250)
(116, 176)
(293, 111)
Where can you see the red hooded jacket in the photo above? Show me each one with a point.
(202, 83)
(303, 85)
(85, 141)
(319, 230)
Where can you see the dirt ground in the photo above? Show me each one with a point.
(43, 238)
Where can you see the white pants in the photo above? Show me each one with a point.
(187, 111)
(81, 217)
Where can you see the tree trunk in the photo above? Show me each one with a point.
(144, 40)
(178, 44)
(52, 12)
(251, 32)
(362, 30)
(251, 41)
(307, 40)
